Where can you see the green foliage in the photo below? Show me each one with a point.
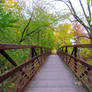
(88, 1)
(12, 25)
(7, 19)
(8, 25)
(38, 27)
(63, 35)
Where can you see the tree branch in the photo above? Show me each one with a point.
(34, 31)
(73, 12)
(89, 11)
(83, 9)
(80, 21)
(26, 27)
(77, 17)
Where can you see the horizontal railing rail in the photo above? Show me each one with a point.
(14, 46)
(16, 79)
(82, 69)
(79, 45)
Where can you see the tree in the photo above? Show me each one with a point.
(63, 35)
(39, 21)
(85, 19)
(35, 27)
(80, 36)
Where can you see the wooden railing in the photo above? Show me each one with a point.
(16, 79)
(71, 55)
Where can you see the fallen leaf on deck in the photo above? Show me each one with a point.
(74, 78)
(78, 83)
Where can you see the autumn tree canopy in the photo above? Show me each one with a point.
(86, 18)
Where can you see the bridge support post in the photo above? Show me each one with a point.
(75, 62)
(41, 52)
(32, 54)
(45, 52)
(66, 51)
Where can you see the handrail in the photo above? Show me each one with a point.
(20, 75)
(79, 66)
(79, 45)
(81, 61)
(15, 46)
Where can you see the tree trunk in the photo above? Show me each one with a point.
(90, 35)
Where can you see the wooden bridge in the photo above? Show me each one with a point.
(43, 72)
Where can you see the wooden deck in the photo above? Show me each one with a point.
(54, 76)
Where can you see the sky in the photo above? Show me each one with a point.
(59, 7)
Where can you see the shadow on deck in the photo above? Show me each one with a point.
(55, 76)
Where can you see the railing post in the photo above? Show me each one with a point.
(75, 62)
(62, 49)
(70, 57)
(66, 52)
(47, 53)
(41, 52)
(44, 52)
(33, 54)
(66, 49)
